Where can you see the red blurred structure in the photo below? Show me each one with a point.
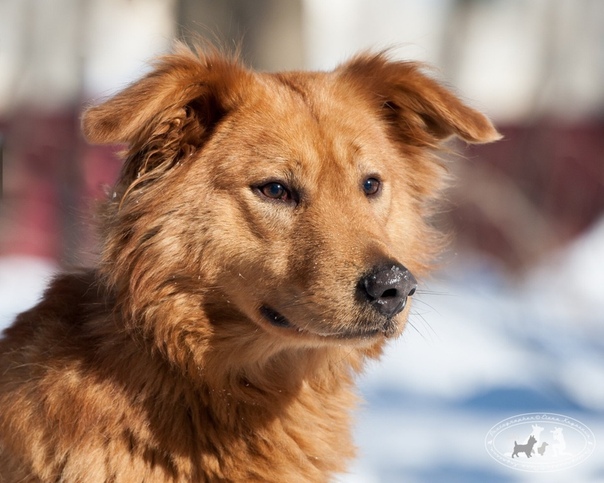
(535, 190)
(50, 185)
(515, 200)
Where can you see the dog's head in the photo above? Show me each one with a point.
(300, 200)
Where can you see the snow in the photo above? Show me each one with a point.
(22, 281)
(479, 348)
(475, 359)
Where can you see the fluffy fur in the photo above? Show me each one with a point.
(160, 364)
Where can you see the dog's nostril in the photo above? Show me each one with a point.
(387, 287)
(390, 293)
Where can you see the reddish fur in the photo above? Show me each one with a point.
(156, 366)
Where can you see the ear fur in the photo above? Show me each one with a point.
(179, 83)
(420, 109)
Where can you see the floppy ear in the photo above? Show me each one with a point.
(168, 113)
(419, 108)
(180, 84)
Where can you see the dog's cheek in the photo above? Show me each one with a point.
(247, 245)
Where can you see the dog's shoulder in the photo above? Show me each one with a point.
(56, 397)
(69, 301)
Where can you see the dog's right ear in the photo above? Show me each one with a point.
(182, 85)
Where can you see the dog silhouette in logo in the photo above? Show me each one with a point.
(541, 449)
(527, 448)
(559, 444)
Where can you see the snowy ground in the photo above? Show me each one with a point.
(478, 352)
(482, 348)
(479, 348)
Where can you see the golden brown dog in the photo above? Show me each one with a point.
(260, 244)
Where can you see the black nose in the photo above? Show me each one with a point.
(387, 287)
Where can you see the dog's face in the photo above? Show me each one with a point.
(308, 197)
(300, 198)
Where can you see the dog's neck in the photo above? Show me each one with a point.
(258, 368)
(224, 353)
(234, 379)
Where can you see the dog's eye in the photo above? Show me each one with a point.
(371, 186)
(275, 191)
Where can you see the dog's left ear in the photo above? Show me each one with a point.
(419, 109)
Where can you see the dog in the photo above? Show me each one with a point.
(527, 448)
(261, 243)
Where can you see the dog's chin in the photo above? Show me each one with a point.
(367, 334)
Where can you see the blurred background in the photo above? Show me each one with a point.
(514, 321)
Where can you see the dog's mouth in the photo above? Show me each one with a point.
(278, 320)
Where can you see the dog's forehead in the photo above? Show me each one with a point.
(308, 115)
(319, 98)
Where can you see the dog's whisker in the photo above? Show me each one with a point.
(425, 323)
(424, 303)
(412, 326)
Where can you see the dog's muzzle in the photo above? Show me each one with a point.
(387, 287)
